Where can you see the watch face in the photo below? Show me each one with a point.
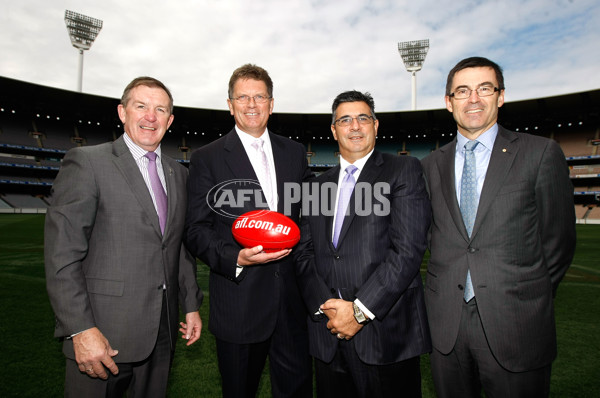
(358, 314)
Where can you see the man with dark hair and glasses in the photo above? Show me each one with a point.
(501, 240)
(255, 306)
(358, 267)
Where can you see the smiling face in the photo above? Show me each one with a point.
(251, 117)
(475, 115)
(356, 140)
(146, 116)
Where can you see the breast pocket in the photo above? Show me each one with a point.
(521, 186)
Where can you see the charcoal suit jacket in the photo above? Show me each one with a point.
(106, 259)
(522, 243)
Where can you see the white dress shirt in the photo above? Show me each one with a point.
(256, 161)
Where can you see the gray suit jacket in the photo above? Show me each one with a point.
(522, 243)
(377, 260)
(106, 259)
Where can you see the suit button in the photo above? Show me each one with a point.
(276, 274)
(460, 287)
(332, 291)
(337, 257)
(472, 249)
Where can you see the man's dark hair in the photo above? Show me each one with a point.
(475, 62)
(353, 96)
(148, 82)
(250, 71)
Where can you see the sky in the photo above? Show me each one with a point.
(312, 49)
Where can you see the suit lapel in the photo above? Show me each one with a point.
(131, 172)
(237, 159)
(445, 165)
(282, 172)
(172, 199)
(503, 156)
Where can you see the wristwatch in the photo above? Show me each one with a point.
(359, 315)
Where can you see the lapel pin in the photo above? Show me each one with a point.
(503, 149)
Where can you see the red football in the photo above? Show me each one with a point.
(272, 230)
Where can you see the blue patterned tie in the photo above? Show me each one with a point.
(345, 192)
(469, 200)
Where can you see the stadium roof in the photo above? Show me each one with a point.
(541, 115)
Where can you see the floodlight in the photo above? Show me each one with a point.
(82, 30)
(413, 55)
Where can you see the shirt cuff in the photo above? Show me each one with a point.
(364, 309)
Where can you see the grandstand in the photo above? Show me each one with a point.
(39, 124)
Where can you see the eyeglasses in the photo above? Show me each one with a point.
(347, 120)
(244, 99)
(482, 91)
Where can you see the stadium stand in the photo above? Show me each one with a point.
(594, 213)
(39, 124)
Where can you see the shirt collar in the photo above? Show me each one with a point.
(248, 139)
(360, 163)
(137, 151)
(487, 139)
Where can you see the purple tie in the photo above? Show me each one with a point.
(345, 192)
(159, 192)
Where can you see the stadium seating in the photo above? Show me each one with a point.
(39, 124)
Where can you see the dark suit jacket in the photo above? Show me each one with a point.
(377, 261)
(106, 258)
(522, 243)
(243, 309)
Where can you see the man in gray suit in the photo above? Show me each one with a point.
(502, 238)
(358, 265)
(116, 268)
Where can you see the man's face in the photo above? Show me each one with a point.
(146, 116)
(250, 117)
(475, 115)
(356, 140)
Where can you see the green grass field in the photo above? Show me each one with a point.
(33, 365)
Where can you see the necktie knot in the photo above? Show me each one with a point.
(151, 156)
(258, 144)
(351, 169)
(470, 145)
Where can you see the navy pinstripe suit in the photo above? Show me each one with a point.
(377, 260)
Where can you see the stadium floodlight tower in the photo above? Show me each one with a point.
(83, 30)
(413, 55)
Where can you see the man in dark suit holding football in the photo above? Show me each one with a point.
(255, 306)
(358, 266)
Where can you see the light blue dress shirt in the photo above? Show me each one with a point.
(483, 153)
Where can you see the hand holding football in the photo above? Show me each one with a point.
(270, 229)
